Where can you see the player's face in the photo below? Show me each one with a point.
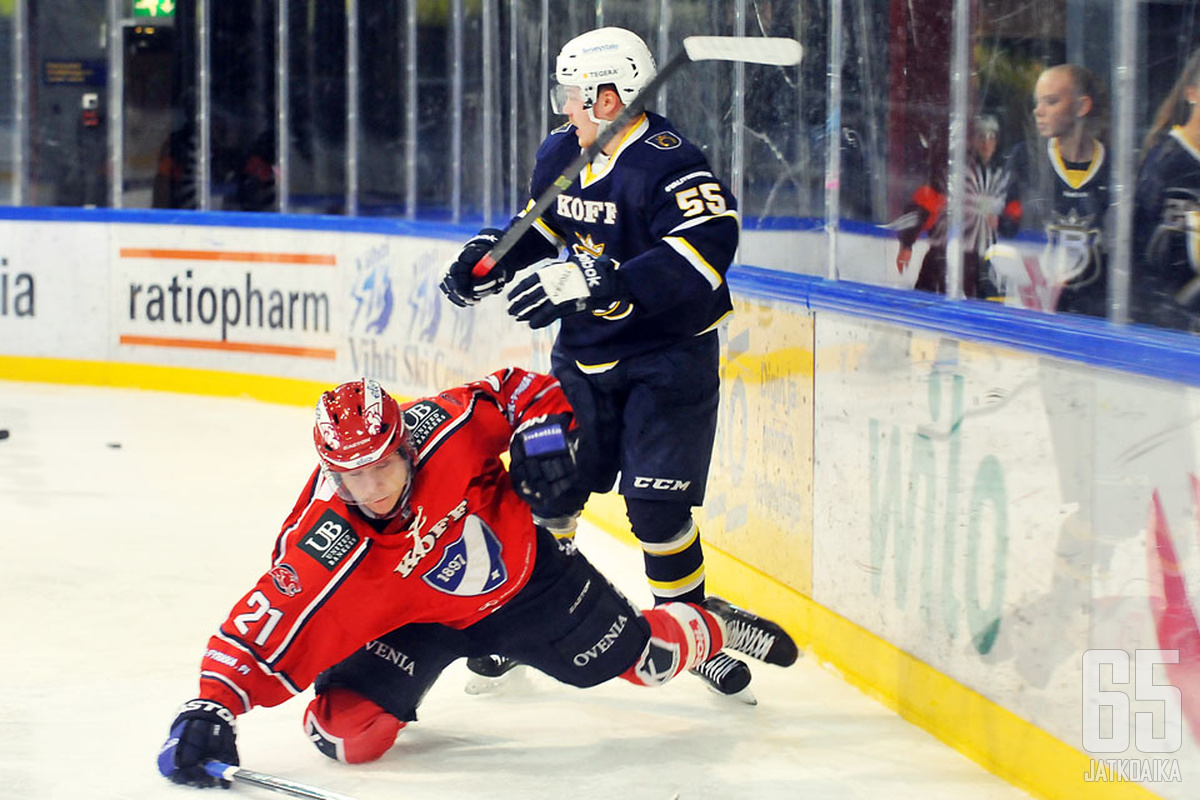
(985, 145)
(1055, 106)
(572, 106)
(379, 486)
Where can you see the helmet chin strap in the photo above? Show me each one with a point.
(601, 124)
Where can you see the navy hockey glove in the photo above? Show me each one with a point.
(203, 730)
(460, 285)
(581, 283)
(542, 458)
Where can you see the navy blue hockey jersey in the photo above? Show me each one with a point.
(1068, 201)
(1166, 235)
(656, 207)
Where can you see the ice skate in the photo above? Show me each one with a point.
(726, 676)
(751, 634)
(489, 673)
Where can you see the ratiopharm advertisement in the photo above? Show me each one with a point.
(314, 305)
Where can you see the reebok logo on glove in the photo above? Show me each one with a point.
(587, 263)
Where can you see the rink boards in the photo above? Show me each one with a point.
(949, 525)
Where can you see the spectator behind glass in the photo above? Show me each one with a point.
(1166, 211)
(1060, 186)
(985, 214)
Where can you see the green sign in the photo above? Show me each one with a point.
(154, 8)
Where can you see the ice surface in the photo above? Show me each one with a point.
(132, 520)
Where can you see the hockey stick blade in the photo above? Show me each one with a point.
(775, 50)
(262, 780)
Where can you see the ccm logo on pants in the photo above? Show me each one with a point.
(666, 484)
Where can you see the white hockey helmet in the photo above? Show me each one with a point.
(598, 58)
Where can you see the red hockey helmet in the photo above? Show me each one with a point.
(358, 424)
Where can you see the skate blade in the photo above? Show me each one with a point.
(745, 696)
(482, 684)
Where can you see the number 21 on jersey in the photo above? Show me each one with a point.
(261, 607)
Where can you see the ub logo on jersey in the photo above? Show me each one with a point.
(422, 420)
(329, 541)
(664, 141)
(470, 565)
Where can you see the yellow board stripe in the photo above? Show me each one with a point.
(989, 734)
(288, 391)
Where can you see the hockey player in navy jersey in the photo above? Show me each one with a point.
(638, 247)
(1166, 211)
(1061, 186)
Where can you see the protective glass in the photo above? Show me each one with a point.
(560, 95)
(389, 476)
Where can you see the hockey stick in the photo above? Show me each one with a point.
(229, 772)
(771, 50)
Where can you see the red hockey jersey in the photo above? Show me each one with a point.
(336, 583)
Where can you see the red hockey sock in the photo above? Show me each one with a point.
(682, 635)
(348, 727)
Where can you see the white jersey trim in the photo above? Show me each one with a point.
(347, 565)
(262, 666)
(691, 223)
(230, 685)
(1177, 135)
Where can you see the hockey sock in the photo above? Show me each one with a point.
(348, 727)
(563, 527)
(671, 547)
(682, 635)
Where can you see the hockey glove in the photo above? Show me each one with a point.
(542, 458)
(460, 285)
(580, 283)
(203, 730)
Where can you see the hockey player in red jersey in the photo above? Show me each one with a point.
(412, 546)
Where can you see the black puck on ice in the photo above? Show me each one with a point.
(3, 433)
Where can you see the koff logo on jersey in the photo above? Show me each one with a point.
(582, 210)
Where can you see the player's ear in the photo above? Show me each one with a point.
(1085, 106)
(609, 100)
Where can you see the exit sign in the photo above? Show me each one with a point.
(154, 8)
